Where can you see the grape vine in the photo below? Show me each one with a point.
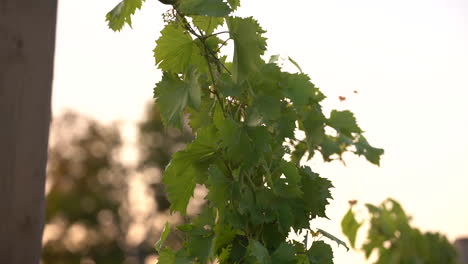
(245, 113)
(392, 237)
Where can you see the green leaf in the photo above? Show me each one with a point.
(224, 234)
(194, 88)
(234, 4)
(264, 107)
(200, 246)
(320, 253)
(313, 124)
(223, 257)
(207, 23)
(344, 122)
(172, 95)
(332, 237)
(201, 117)
(292, 181)
(164, 234)
(215, 8)
(167, 256)
(249, 45)
(122, 13)
(372, 154)
(219, 187)
(298, 88)
(286, 124)
(350, 226)
(189, 167)
(259, 252)
(274, 58)
(316, 192)
(237, 142)
(284, 254)
(175, 50)
(329, 146)
(227, 87)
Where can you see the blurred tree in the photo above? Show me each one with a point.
(156, 145)
(86, 186)
(90, 212)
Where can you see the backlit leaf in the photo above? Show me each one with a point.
(175, 51)
(350, 226)
(164, 234)
(249, 45)
(215, 8)
(122, 13)
(189, 167)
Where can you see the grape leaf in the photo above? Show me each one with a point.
(328, 147)
(175, 50)
(249, 45)
(218, 186)
(172, 95)
(344, 122)
(284, 254)
(259, 252)
(284, 214)
(291, 183)
(201, 117)
(350, 226)
(188, 167)
(313, 123)
(265, 107)
(215, 8)
(286, 123)
(274, 58)
(234, 4)
(298, 88)
(167, 256)
(193, 87)
(236, 141)
(372, 154)
(207, 23)
(122, 13)
(223, 257)
(316, 192)
(224, 235)
(164, 234)
(320, 253)
(200, 246)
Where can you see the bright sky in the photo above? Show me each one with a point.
(408, 60)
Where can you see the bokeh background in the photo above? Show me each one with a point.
(402, 67)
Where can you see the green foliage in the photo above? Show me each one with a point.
(350, 226)
(122, 13)
(395, 241)
(214, 8)
(244, 112)
(189, 167)
(175, 50)
(320, 253)
(164, 234)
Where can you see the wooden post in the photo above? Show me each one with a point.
(462, 248)
(27, 42)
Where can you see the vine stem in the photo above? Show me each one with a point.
(208, 52)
